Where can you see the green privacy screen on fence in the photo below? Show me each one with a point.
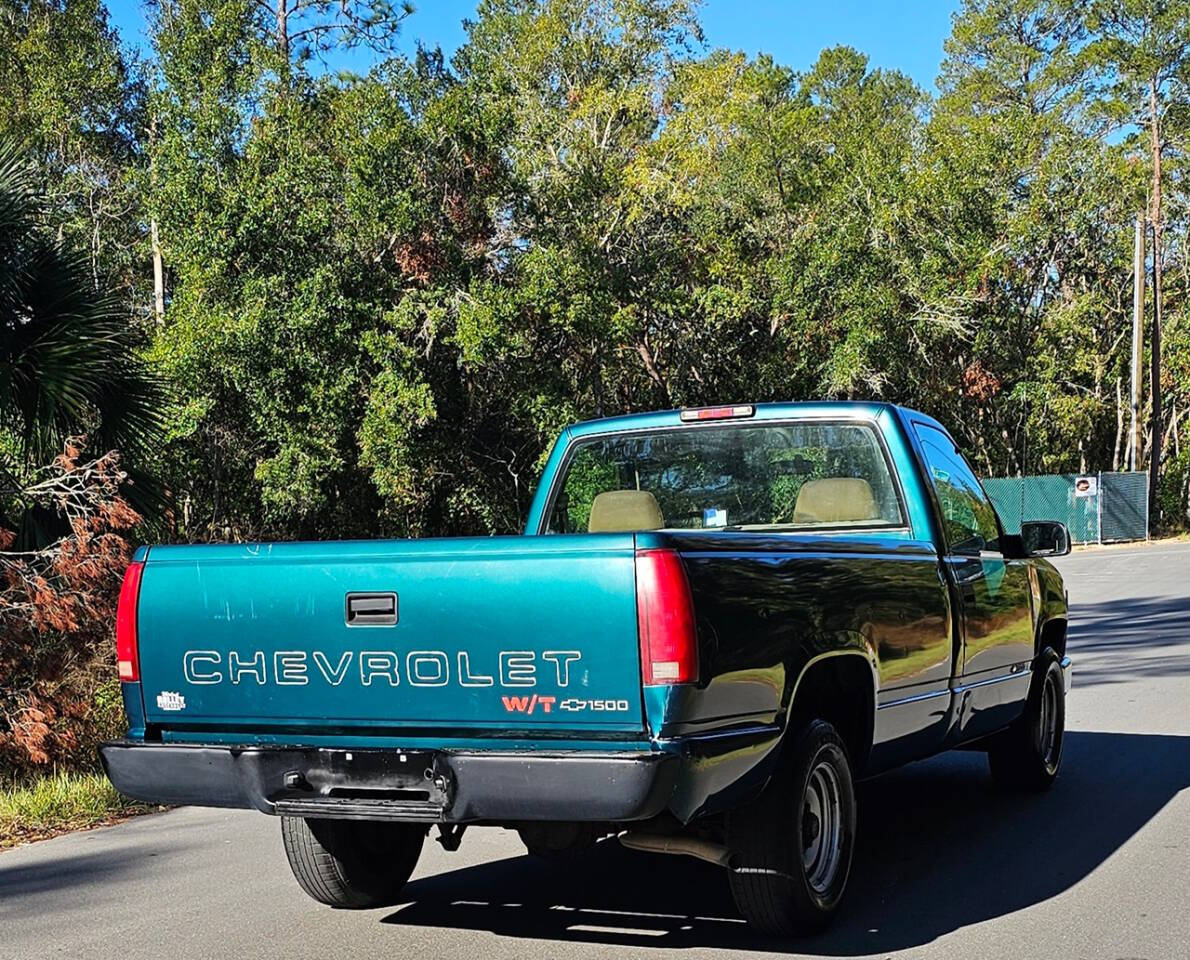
(1125, 509)
(1099, 508)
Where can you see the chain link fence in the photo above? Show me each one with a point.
(1097, 508)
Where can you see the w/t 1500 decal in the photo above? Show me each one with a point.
(570, 704)
(421, 668)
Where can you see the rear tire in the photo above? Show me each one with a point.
(791, 848)
(351, 864)
(1028, 754)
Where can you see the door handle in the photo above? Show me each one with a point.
(371, 609)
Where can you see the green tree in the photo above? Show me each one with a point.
(312, 27)
(73, 102)
(1143, 51)
(389, 292)
(67, 360)
(67, 357)
(307, 226)
(1043, 207)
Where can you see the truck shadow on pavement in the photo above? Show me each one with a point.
(939, 849)
(1121, 640)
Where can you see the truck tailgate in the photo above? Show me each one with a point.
(393, 636)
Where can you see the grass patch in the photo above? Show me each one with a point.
(58, 802)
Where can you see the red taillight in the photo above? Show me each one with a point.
(665, 619)
(126, 655)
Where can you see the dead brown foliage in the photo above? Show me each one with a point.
(979, 383)
(58, 690)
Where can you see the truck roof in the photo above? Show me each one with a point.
(846, 409)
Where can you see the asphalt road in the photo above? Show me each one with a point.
(1097, 868)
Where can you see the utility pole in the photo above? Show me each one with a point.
(1155, 332)
(1136, 437)
(1155, 379)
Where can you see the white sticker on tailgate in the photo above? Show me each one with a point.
(168, 700)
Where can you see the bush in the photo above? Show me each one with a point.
(59, 693)
(1173, 494)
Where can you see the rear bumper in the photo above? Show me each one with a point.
(427, 786)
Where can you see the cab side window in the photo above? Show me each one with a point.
(967, 514)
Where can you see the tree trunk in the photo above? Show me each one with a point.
(646, 356)
(283, 33)
(1155, 345)
(154, 236)
(158, 275)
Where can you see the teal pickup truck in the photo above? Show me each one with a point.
(716, 621)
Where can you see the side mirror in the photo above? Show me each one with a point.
(1045, 538)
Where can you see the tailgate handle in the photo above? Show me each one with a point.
(371, 609)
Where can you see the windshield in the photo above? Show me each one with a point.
(734, 476)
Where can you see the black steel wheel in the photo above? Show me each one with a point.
(791, 848)
(1028, 754)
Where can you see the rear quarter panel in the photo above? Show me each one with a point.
(769, 608)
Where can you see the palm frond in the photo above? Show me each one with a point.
(68, 360)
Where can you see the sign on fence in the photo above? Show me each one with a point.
(1103, 508)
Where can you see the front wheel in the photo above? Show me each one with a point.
(351, 864)
(1027, 755)
(791, 848)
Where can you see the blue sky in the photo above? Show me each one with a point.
(903, 35)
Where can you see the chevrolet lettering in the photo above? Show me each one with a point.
(421, 668)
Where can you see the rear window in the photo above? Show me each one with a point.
(730, 477)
